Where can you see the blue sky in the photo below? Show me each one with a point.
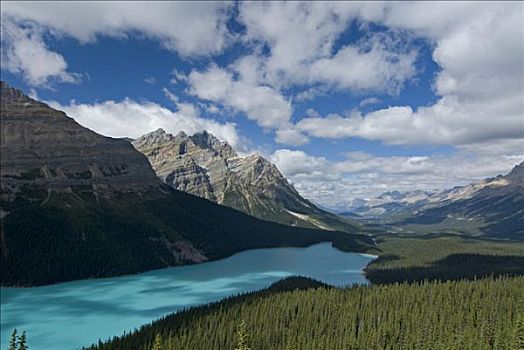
(348, 99)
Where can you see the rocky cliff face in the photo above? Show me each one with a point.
(42, 146)
(206, 167)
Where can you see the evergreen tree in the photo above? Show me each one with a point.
(158, 343)
(242, 338)
(14, 340)
(22, 342)
(519, 333)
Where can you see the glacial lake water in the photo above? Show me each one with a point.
(70, 315)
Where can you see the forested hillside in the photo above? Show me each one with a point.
(79, 236)
(440, 257)
(476, 315)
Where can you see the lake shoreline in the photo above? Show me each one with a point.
(357, 251)
(88, 310)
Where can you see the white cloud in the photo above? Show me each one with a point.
(170, 96)
(449, 121)
(291, 136)
(129, 118)
(374, 68)
(189, 28)
(369, 101)
(150, 80)
(24, 52)
(301, 38)
(177, 77)
(260, 103)
(480, 50)
(363, 175)
(298, 163)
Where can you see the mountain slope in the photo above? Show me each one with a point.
(75, 204)
(494, 206)
(385, 205)
(206, 167)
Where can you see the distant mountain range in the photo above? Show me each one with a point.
(75, 204)
(206, 167)
(386, 204)
(492, 207)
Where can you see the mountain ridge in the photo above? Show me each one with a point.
(209, 168)
(493, 207)
(75, 204)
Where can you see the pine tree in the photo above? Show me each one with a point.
(519, 333)
(22, 342)
(158, 343)
(242, 338)
(14, 340)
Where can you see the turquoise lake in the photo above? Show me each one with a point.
(71, 315)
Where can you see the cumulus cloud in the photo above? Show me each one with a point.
(298, 163)
(301, 37)
(129, 118)
(481, 82)
(260, 103)
(189, 28)
(449, 121)
(291, 136)
(24, 52)
(374, 68)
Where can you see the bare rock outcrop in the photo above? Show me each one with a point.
(204, 166)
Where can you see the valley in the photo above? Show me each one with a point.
(261, 175)
(98, 209)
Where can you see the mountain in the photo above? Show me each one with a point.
(493, 207)
(388, 203)
(206, 167)
(43, 147)
(75, 204)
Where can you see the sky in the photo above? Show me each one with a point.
(349, 99)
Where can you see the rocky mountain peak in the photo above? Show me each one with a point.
(17, 104)
(155, 137)
(40, 146)
(206, 140)
(518, 169)
(181, 135)
(204, 166)
(516, 176)
(10, 95)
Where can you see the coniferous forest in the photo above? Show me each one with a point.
(443, 258)
(476, 315)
